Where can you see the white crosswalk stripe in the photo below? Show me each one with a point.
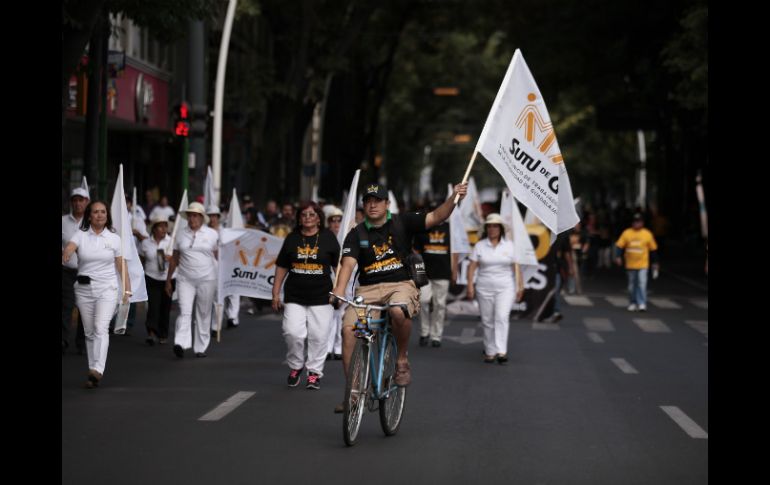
(624, 366)
(700, 325)
(595, 338)
(227, 407)
(685, 422)
(576, 300)
(700, 303)
(618, 301)
(665, 303)
(598, 324)
(652, 325)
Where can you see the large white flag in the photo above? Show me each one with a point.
(84, 186)
(234, 219)
(247, 260)
(470, 208)
(137, 216)
(209, 197)
(518, 139)
(121, 221)
(459, 242)
(349, 210)
(179, 223)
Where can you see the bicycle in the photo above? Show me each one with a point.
(371, 372)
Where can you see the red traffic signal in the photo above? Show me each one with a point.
(182, 128)
(182, 125)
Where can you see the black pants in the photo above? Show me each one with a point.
(68, 278)
(158, 307)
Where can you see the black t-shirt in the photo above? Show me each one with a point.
(380, 259)
(309, 260)
(434, 245)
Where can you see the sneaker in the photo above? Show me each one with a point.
(162, 341)
(489, 359)
(556, 317)
(632, 307)
(424, 341)
(339, 408)
(178, 351)
(313, 381)
(435, 343)
(642, 308)
(337, 356)
(293, 378)
(150, 340)
(200, 354)
(502, 359)
(403, 374)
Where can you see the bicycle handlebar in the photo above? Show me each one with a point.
(366, 307)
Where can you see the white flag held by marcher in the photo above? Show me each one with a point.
(470, 208)
(234, 219)
(523, 251)
(518, 139)
(84, 186)
(137, 217)
(459, 243)
(122, 224)
(209, 199)
(179, 224)
(393, 207)
(349, 210)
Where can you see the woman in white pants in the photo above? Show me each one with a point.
(195, 261)
(96, 290)
(334, 222)
(305, 262)
(494, 287)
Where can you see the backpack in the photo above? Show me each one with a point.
(414, 263)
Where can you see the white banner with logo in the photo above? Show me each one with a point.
(247, 259)
(519, 140)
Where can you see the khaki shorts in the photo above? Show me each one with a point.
(401, 292)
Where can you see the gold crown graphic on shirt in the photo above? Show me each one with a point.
(436, 236)
(307, 251)
(380, 250)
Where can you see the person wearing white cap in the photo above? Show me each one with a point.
(195, 259)
(156, 262)
(96, 290)
(69, 270)
(494, 287)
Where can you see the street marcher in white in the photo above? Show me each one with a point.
(96, 290)
(195, 261)
(156, 262)
(334, 222)
(305, 262)
(70, 223)
(494, 287)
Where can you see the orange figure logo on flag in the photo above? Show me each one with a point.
(537, 130)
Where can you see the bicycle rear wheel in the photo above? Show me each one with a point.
(391, 407)
(355, 392)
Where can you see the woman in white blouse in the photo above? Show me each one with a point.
(195, 261)
(494, 287)
(153, 253)
(96, 290)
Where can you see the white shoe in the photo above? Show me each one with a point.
(632, 307)
(642, 308)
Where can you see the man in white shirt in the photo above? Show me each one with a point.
(69, 225)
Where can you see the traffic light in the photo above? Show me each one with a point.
(182, 125)
(200, 116)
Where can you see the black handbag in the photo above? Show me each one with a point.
(416, 267)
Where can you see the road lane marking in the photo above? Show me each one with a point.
(618, 301)
(652, 325)
(575, 300)
(227, 407)
(595, 338)
(688, 425)
(701, 303)
(624, 366)
(598, 324)
(700, 325)
(665, 303)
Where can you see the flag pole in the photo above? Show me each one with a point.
(467, 173)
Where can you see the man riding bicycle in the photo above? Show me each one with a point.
(379, 246)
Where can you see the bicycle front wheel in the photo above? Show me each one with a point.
(355, 392)
(392, 406)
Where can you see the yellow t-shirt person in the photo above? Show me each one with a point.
(637, 244)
